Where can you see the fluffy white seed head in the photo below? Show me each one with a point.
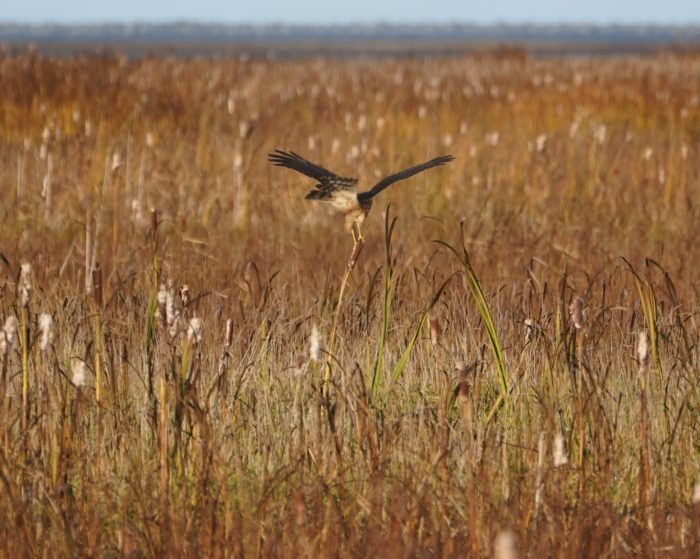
(45, 333)
(80, 374)
(194, 330)
(695, 496)
(116, 161)
(315, 344)
(578, 315)
(504, 545)
(8, 335)
(643, 349)
(560, 457)
(25, 284)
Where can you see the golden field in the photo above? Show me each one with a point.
(515, 366)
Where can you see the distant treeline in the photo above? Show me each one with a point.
(188, 31)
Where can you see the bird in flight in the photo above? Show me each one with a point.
(341, 192)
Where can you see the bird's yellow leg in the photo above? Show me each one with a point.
(360, 237)
(352, 230)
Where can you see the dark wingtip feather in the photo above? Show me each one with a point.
(278, 157)
(445, 159)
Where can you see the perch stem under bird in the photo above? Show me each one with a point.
(341, 192)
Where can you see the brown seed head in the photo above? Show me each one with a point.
(435, 331)
(356, 251)
(228, 337)
(154, 223)
(185, 295)
(463, 382)
(97, 285)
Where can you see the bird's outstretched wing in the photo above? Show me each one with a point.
(328, 182)
(391, 179)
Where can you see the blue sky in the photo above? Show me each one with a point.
(344, 11)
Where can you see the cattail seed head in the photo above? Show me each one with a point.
(25, 284)
(194, 331)
(45, 334)
(185, 295)
(463, 383)
(171, 312)
(8, 335)
(695, 496)
(154, 223)
(560, 457)
(355, 256)
(578, 315)
(228, 336)
(166, 312)
(116, 161)
(643, 351)
(299, 365)
(299, 508)
(162, 310)
(435, 331)
(80, 373)
(97, 285)
(504, 545)
(530, 329)
(315, 344)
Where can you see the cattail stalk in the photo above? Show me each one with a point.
(463, 395)
(577, 319)
(644, 467)
(539, 483)
(163, 446)
(354, 257)
(88, 241)
(97, 295)
(154, 239)
(25, 295)
(8, 337)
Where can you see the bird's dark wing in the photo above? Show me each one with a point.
(327, 181)
(391, 179)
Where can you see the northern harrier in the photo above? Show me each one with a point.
(341, 192)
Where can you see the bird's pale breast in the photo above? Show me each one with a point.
(344, 201)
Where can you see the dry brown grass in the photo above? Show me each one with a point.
(207, 448)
